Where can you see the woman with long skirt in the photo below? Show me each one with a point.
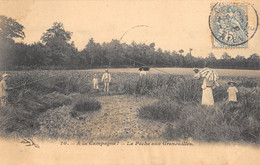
(207, 96)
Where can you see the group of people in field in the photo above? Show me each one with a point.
(207, 94)
(106, 79)
(207, 86)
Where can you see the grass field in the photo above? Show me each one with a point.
(64, 105)
(186, 71)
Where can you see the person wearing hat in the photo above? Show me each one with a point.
(232, 92)
(142, 72)
(3, 90)
(196, 70)
(106, 78)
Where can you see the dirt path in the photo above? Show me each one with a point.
(117, 120)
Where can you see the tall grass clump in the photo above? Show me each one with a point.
(175, 87)
(18, 121)
(86, 104)
(69, 84)
(222, 122)
(26, 102)
(162, 110)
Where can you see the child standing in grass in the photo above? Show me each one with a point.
(95, 82)
(3, 90)
(232, 92)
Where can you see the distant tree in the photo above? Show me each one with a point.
(56, 40)
(254, 56)
(190, 50)
(113, 52)
(211, 60)
(56, 33)
(10, 29)
(211, 56)
(239, 62)
(181, 52)
(254, 61)
(153, 56)
(238, 57)
(189, 60)
(225, 56)
(160, 57)
(94, 51)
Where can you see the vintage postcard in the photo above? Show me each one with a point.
(129, 82)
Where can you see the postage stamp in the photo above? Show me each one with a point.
(232, 25)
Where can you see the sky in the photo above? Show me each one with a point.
(173, 25)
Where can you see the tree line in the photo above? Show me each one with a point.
(55, 50)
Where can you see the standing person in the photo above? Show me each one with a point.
(3, 90)
(142, 72)
(106, 78)
(232, 92)
(196, 70)
(210, 78)
(207, 96)
(95, 82)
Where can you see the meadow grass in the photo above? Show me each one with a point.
(27, 102)
(179, 103)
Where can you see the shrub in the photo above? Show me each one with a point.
(86, 104)
(55, 99)
(26, 103)
(162, 110)
(69, 84)
(225, 122)
(174, 87)
(249, 83)
(185, 90)
(220, 93)
(17, 120)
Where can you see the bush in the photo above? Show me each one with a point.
(69, 84)
(26, 103)
(162, 110)
(185, 90)
(249, 83)
(18, 120)
(86, 104)
(177, 88)
(225, 122)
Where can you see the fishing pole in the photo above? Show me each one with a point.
(131, 29)
(146, 65)
(34, 81)
(135, 60)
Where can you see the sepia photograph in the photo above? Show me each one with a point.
(113, 76)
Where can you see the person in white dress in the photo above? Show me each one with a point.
(232, 92)
(95, 82)
(106, 78)
(207, 86)
(207, 95)
(3, 90)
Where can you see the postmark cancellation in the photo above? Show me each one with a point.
(232, 25)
